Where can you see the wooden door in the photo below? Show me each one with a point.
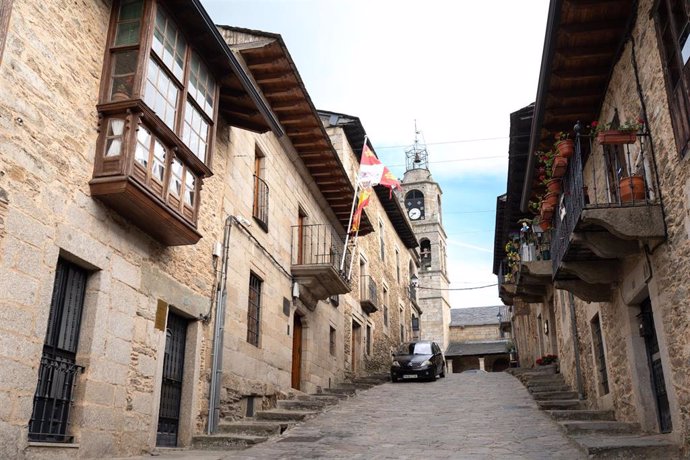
(296, 352)
(655, 367)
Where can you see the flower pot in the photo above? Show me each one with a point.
(632, 189)
(551, 199)
(554, 186)
(566, 148)
(612, 137)
(546, 214)
(560, 164)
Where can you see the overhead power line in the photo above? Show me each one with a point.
(458, 141)
(458, 289)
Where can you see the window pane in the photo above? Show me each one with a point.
(143, 145)
(201, 85)
(124, 64)
(161, 94)
(195, 131)
(129, 23)
(189, 188)
(169, 44)
(176, 177)
(113, 139)
(158, 160)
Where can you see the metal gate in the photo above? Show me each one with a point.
(657, 371)
(171, 388)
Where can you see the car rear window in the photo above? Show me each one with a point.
(415, 349)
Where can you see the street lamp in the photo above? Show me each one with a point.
(500, 317)
(414, 280)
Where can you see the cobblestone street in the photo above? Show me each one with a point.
(464, 416)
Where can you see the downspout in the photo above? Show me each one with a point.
(576, 348)
(218, 332)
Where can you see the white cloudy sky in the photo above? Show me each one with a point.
(457, 67)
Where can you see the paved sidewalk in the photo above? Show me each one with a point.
(464, 416)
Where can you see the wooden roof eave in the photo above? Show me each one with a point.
(297, 115)
(562, 25)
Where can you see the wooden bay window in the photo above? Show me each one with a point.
(158, 112)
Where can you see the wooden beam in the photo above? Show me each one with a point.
(584, 72)
(266, 59)
(579, 93)
(593, 27)
(574, 52)
(292, 93)
(274, 77)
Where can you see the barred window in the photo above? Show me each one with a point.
(332, 340)
(254, 309)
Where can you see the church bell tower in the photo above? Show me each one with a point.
(422, 202)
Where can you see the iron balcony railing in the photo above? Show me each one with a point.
(367, 290)
(57, 378)
(601, 176)
(260, 208)
(320, 244)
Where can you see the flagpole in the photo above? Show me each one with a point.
(352, 211)
(352, 259)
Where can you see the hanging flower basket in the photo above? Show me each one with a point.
(613, 137)
(566, 148)
(559, 166)
(632, 189)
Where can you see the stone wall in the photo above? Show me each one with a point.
(467, 333)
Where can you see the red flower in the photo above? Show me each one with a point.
(594, 124)
(640, 121)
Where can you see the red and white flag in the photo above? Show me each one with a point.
(373, 172)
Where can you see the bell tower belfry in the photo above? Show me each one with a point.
(422, 202)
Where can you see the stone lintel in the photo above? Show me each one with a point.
(585, 291)
(628, 223)
(594, 271)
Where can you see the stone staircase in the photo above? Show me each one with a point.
(240, 434)
(596, 432)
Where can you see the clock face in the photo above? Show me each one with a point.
(414, 213)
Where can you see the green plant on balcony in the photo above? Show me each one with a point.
(622, 133)
(564, 145)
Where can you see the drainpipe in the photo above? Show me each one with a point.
(218, 332)
(576, 348)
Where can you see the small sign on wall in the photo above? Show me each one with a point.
(161, 315)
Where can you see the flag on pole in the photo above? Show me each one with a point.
(362, 203)
(373, 172)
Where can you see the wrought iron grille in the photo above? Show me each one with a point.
(601, 177)
(367, 290)
(254, 310)
(53, 399)
(319, 244)
(260, 208)
(171, 386)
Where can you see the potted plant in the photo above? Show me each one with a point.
(624, 133)
(632, 188)
(564, 145)
(559, 166)
(553, 185)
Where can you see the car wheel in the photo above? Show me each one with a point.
(443, 373)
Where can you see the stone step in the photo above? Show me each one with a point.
(340, 391)
(542, 378)
(550, 395)
(301, 404)
(253, 427)
(582, 414)
(285, 415)
(355, 386)
(226, 441)
(328, 400)
(560, 404)
(543, 382)
(547, 388)
(373, 380)
(599, 427)
(328, 396)
(628, 447)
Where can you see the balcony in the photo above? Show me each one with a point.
(368, 298)
(317, 253)
(260, 206)
(609, 208)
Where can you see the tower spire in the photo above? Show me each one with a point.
(417, 157)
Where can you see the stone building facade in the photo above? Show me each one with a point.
(617, 278)
(154, 207)
(479, 338)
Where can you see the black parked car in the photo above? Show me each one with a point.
(418, 360)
